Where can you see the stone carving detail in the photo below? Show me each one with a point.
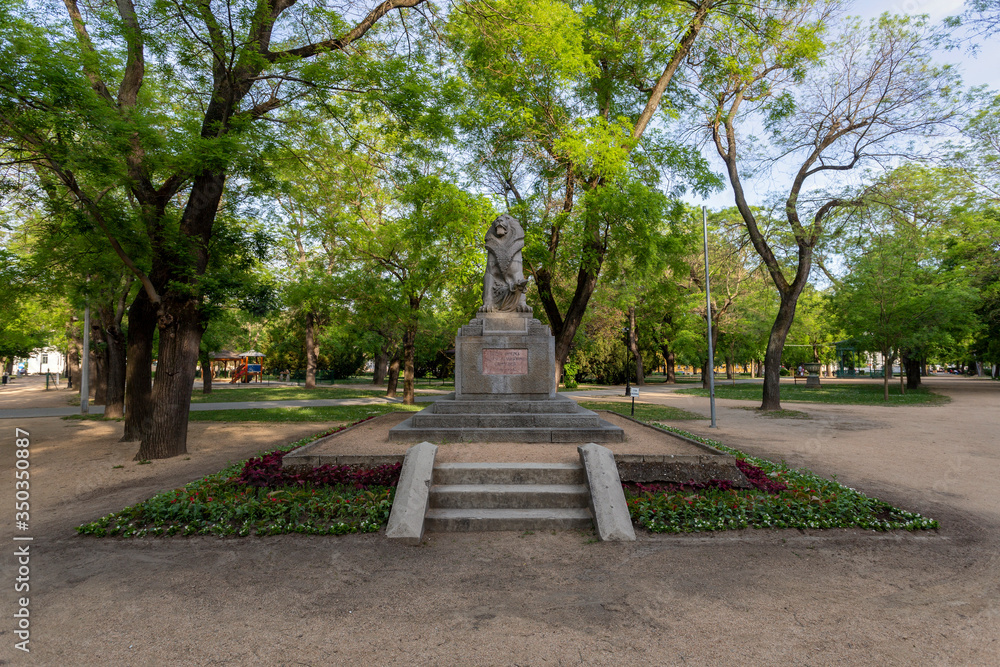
(504, 284)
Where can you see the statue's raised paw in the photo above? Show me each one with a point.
(522, 308)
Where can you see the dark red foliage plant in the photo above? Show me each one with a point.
(757, 477)
(266, 472)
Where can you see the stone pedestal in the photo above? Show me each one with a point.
(812, 380)
(504, 356)
(505, 391)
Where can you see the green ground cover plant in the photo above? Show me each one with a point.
(780, 498)
(326, 413)
(842, 394)
(643, 411)
(258, 497)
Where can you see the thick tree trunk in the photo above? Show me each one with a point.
(912, 369)
(381, 363)
(206, 373)
(775, 346)
(138, 369)
(564, 328)
(409, 349)
(393, 381)
(179, 326)
(729, 368)
(72, 355)
(670, 364)
(633, 346)
(312, 350)
(114, 403)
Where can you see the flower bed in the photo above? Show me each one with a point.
(259, 497)
(781, 498)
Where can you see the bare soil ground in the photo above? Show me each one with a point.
(372, 437)
(815, 598)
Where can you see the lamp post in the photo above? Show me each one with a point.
(85, 363)
(708, 313)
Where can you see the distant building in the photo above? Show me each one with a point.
(46, 360)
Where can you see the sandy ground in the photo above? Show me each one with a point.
(810, 598)
(372, 437)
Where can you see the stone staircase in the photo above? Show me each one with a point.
(558, 419)
(508, 496)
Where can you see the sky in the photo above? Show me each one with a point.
(976, 69)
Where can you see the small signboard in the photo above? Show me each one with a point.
(253, 368)
(632, 391)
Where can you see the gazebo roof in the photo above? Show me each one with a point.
(224, 354)
(252, 353)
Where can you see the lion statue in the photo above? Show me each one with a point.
(504, 284)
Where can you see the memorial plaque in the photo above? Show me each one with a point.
(505, 361)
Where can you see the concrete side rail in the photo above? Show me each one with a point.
(409, 507)
(607, 499)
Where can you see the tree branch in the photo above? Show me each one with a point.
(339, 43)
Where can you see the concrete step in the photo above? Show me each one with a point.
(509, 496)
(512, 420)
(509, 473)
(555, 406)
(405, 431)
(469, 520)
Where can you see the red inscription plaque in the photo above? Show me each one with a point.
(505, 361)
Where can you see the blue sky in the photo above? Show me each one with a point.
(976, 69)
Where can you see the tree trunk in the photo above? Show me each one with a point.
(911, 367)
(179, 325)
(775, 346)
(729, 368)
(564, 328)
(409, 348)
(393, 381)
(381, 362)
(138, 367)
(886, 374)
(633, 346)
(312, 350)
(99, 360)
(72, 355)
(114, 402)
(206, 373)
(670, 364)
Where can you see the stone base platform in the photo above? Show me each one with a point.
(557, 419)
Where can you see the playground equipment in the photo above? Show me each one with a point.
(247, 366)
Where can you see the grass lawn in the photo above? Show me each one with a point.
(274, 393)
(334, 413)
(643, 411)
(844, 394)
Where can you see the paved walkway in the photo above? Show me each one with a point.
(24, 413)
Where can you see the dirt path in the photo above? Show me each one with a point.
(816, 598)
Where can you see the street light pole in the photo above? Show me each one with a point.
(708, 312)
(85, 363)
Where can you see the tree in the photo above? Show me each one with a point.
(877, 88)
(561, 96)
(428, 247)
(892, 299)
(167, 108)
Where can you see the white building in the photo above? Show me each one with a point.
(46, 360)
